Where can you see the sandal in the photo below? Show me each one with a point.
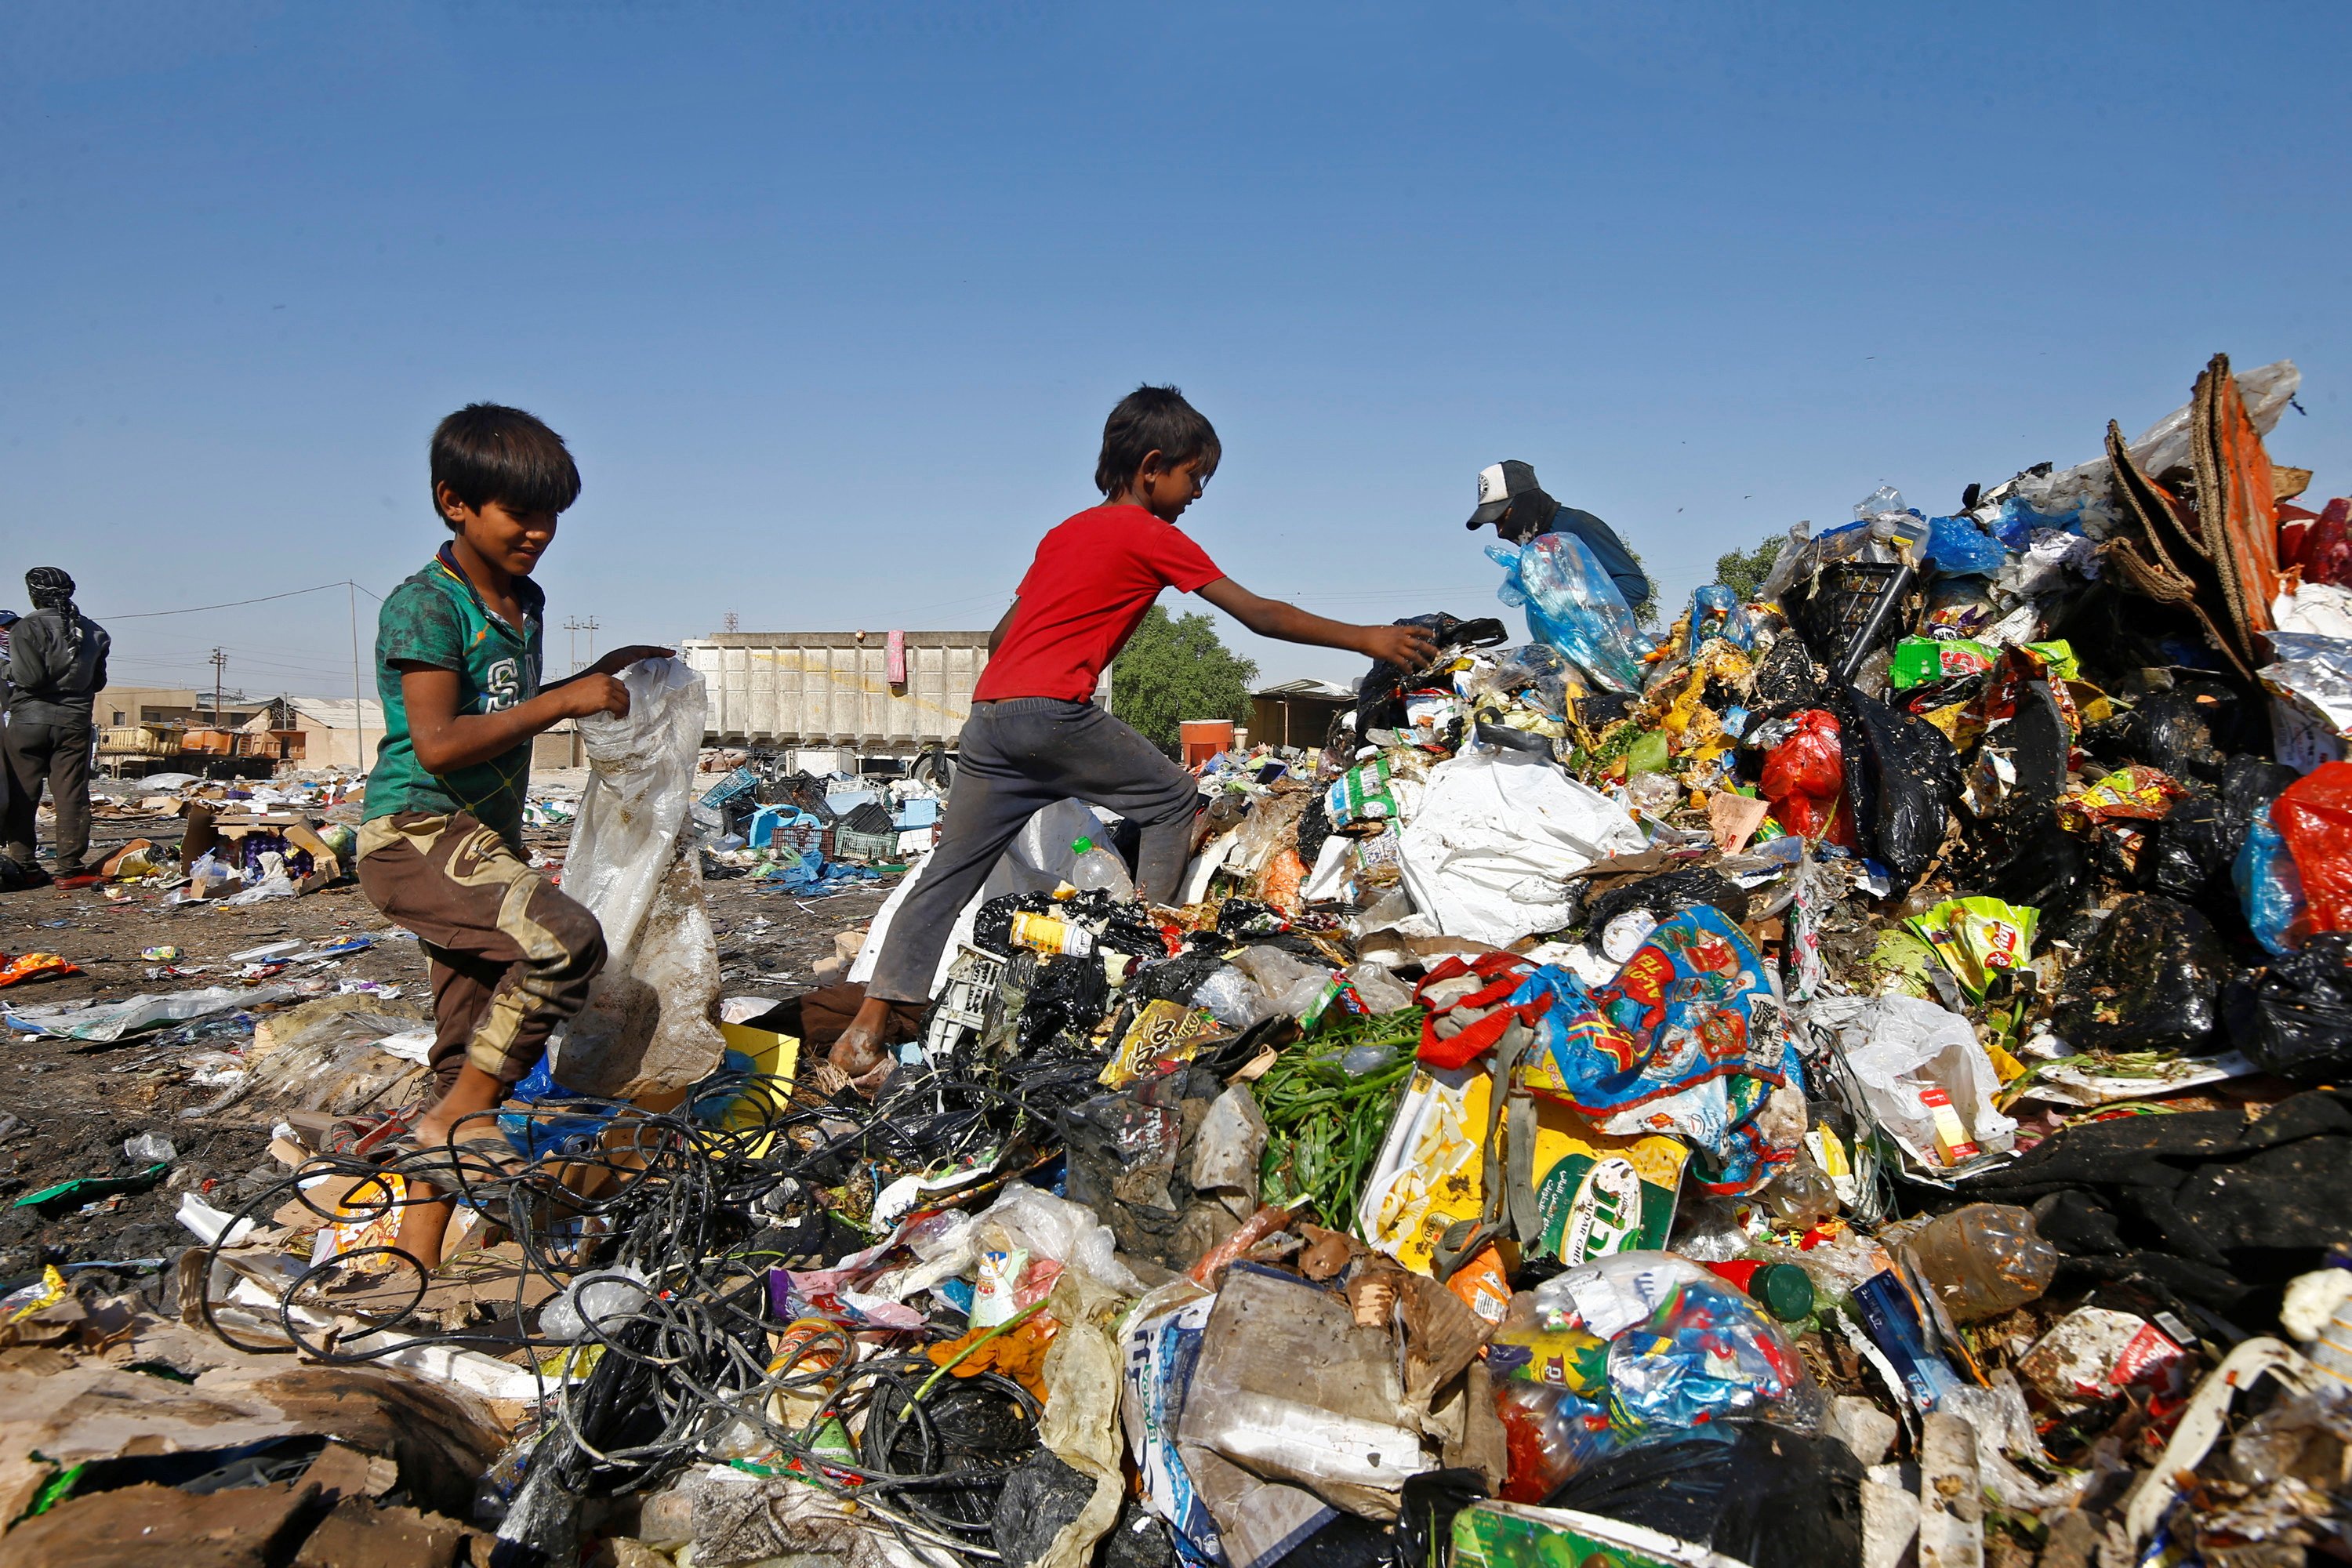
(362, 1136)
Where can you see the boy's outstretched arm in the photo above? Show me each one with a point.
(446, 740)
(1407, 647)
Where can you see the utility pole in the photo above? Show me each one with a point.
(359, 714)
(726, 622)
(576, 625)
(219, 663)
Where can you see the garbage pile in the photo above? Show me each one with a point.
(814, 835)
(240, 843)
(1848, 1080)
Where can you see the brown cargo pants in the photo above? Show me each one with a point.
(511, 955)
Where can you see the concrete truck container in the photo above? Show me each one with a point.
(875, 694)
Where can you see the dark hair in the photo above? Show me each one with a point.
(487, 452)
(1153, 419)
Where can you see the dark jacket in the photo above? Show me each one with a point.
(54, 683)
(1607, 549)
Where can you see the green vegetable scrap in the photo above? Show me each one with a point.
(1326, 1124)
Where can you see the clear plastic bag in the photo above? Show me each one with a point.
(1574, 605)
(650, 1020)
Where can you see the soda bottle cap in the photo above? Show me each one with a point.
(1782, 1289)
(1081, 846)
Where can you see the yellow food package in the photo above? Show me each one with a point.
(1162, 1032)
(1594, 1194)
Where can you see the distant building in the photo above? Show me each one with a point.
(320, 732)
(118, 707)
(1297, 712)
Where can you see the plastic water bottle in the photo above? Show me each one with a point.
(1984, 1259)
(1099, 867)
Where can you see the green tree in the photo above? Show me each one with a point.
(1171, 670)
(1645, 614)
(1745, 570)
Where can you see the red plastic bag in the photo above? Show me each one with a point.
(2324, 549)
(1804, 774)
(2314, 815)
(1496, 975)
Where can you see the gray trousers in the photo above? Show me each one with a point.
(1017, 757)
(58, 756)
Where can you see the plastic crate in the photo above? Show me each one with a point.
(848, 843)
(963, 1000)
(1835, 613)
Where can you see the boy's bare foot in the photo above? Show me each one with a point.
(859, 1054)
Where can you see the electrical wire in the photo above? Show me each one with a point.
(702, 1208)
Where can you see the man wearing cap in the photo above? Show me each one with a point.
(1509, 498)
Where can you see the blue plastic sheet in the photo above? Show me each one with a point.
(2270, 890)
(2018, 523)
(1574, 607)
(1956, 547)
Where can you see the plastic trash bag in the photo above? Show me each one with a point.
(648, 1024)
(109, 1021)
(1804, 775)
(1044, 1226)
(1573, 605)
(1717, 612)
(2191, 850)
(1956, 547)
(1899, 1048)
(1688, 1040)
(2313, 817)
(1758, 1494)
(1902, 777)
(1497, 834)
(2295, 1020)
(2150, 981)
(2270, 893)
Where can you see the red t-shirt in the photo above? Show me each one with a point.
(1092, 580)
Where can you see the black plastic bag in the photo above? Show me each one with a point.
(2150, 981)
(1769, 1496)
(1424, 1527)
(1067, 1000)
(1040, 1497)
(2296, 1019)
(1784, 680)
(1380, 702)
(2190, 851)
(1667, 894)
(1902, 778)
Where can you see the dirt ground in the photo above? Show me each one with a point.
(67, 1107)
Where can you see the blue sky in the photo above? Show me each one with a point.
(830, 299)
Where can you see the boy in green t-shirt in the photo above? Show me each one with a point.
(457, 666)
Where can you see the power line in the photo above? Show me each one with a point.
(239, 604)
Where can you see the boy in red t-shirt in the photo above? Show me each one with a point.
(1035, 736)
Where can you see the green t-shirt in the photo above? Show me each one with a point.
(436, 618)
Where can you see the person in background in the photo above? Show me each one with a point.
(57, 665)
(1509, 498)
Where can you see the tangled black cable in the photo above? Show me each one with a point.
(687, 1212)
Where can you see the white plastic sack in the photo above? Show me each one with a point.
(1898, 1045)
(1497, 833)
(648, 1024)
